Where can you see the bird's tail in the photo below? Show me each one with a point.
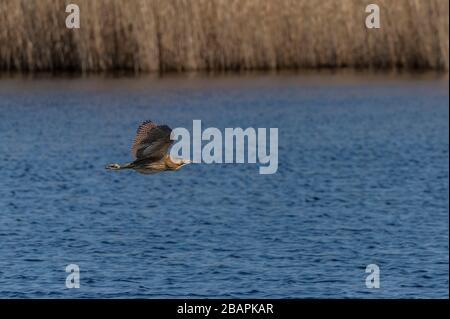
(116, 166)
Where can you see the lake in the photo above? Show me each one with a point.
(362, 179)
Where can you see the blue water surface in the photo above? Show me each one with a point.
(362, 179)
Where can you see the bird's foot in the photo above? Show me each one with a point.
(113, 166)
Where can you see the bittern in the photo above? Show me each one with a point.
(150, 151)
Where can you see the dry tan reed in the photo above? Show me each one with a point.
(164, 35)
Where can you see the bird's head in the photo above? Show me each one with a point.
(181, 162)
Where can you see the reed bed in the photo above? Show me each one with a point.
(179, 35)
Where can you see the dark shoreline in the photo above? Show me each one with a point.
(416, 73)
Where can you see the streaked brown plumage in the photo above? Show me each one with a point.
(150, 150)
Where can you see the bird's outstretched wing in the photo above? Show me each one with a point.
(151, 141)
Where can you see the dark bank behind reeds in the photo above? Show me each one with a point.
(178, 35)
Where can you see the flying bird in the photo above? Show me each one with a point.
(150, 151)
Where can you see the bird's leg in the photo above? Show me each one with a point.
(113, 166)
(116, 166)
